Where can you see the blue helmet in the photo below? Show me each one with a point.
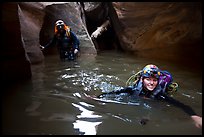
(151, 71)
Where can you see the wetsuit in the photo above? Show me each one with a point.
(65, 44)
(134, 92)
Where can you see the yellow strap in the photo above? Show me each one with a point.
(133, 79)
(67, 28)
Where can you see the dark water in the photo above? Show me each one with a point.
(55, 102)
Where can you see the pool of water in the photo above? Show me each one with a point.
(56, 101)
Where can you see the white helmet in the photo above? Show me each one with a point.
(59, 22)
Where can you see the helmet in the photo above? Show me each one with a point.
(61, 27)
(59, 24)
(151, 71)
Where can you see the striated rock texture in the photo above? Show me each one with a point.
(163, 30)
(102, 21)
(31, 17)
(170, 31)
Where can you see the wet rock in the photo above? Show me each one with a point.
(15, 64)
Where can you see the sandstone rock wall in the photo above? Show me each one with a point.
(171, 31)
(23, 22)
(163, 30)
(150, 25)
(15, 64)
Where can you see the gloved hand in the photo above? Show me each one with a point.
(41, 47)
(76, 51)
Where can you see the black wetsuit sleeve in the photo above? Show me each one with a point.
(124, 90)
(51, 42)
(75, 40)
(187, 109)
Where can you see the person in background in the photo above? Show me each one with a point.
(153, 83)
(66, 41)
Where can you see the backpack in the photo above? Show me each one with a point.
(165, 81)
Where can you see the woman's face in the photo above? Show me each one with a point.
(150, 83)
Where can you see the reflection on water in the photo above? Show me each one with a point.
(86, 120)
(60, 99)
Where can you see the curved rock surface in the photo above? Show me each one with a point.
(164, 30)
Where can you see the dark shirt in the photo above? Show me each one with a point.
(131, 91)
(64, 42)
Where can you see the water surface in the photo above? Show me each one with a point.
(55, 101)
